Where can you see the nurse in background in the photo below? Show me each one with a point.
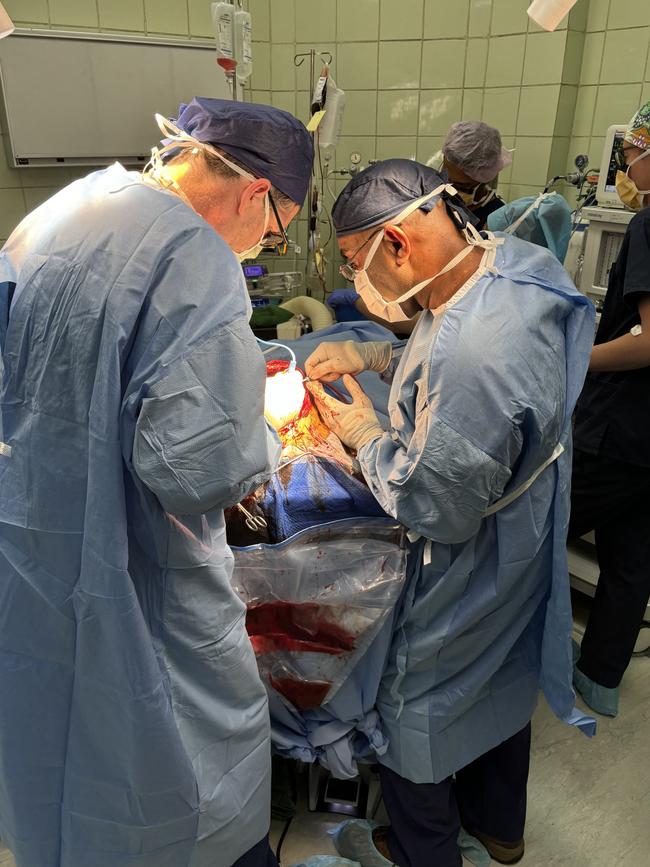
(611, 467)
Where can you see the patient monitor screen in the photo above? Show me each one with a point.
(610, 182)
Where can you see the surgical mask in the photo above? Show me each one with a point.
(392, 311)
(184, 141)
(627, 190)
(472, 200)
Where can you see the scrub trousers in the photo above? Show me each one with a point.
(261, 855)
(488, 796)
(613, 498)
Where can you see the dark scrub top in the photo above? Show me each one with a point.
(485, 210)
(613, 413)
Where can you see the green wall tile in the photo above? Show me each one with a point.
(597, 16)
(596, 145)
(45, 177)
(505, 61)
(121, 15)
(615, 103)
(628, 13)
(501, 107)
(397, 112)
(315, 20)
(261, 14)
(544, 61)
(592, 58)
(399, 65)
(303, 81)
(625, 55)
(200, 19)
(364, 145)
(284, 100)
(401, 19)
(35, 196)
(12, 210)
(509, 16)
(261, 76)
(519, 191)
(396, 147)
(480, 14)
(443, 63)
(573, 57)
(428, 152)
(566, 110)
(531, 159)
(73, 13)
(27, 11)
(357, 21)
(438, 110)
(360, 116)
(283, 71)
(503, 190)
(283, 21)
(645, 94)
(538, 109)
(476, 62)
(9, 177)
(357, 65)
(448, 24)
(472, 104)
(166, 16)
(559, 156)
(578, 16)
(584, 111)
(261, 96)
(504, 177)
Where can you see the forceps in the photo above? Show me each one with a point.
(253, 522)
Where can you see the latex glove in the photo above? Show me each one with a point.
(331, 360)
(354, 423)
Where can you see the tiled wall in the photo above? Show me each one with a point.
(615, 71)
(410, 68)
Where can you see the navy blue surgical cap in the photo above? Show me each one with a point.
(382, 191)
(271, 143)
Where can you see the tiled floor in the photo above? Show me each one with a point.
(588, 800)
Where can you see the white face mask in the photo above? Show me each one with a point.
(392, 311)
(180, 139)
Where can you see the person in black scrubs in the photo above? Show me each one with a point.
(611, 471)
(473, 156)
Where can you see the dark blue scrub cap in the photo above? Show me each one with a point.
(383, 191)
(271, 143)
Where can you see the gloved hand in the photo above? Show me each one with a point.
(354, 423)
(343, 296)
(330, 360)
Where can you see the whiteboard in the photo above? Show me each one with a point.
(76, 101)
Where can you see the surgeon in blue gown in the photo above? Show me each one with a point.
(134, 726)
(476, 463)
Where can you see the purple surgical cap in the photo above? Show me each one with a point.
(270, 143)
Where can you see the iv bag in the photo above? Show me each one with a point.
(329, 130)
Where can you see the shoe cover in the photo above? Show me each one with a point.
(327, 861)
(353, 839)
(599, 698)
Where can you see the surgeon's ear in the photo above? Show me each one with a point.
(400, 242)
(257, 189)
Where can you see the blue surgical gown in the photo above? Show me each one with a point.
(480, 399)
(134, 727)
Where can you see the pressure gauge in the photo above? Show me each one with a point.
(355, 158)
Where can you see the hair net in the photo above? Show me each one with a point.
(476, 148)
(271, 143)
(383, 191)
(638, 130)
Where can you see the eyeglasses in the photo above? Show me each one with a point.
(276, 240)
(349, 271)
(620, 160)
